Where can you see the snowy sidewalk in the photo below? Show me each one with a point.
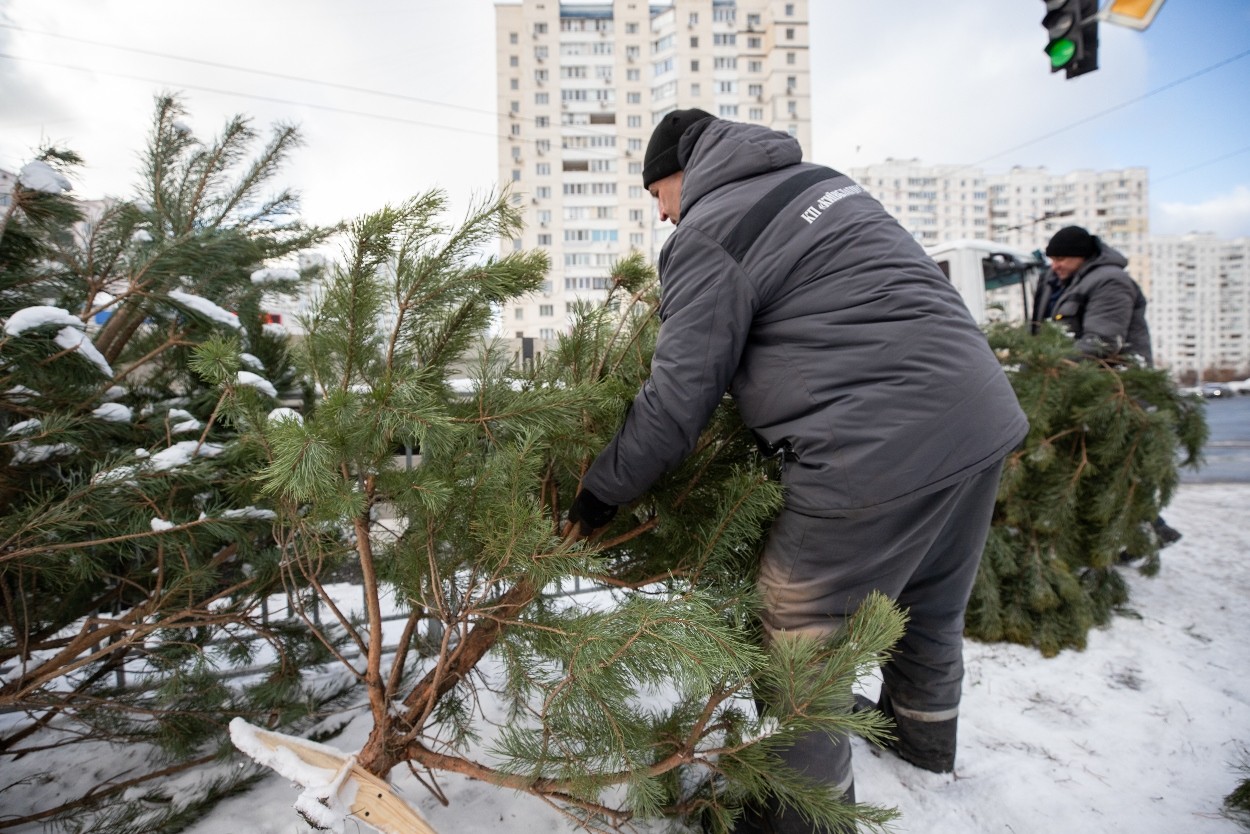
(1135, 734)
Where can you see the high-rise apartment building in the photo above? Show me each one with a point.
(580, 87)
(1199, 311)
(1028, 205)
(1021, 208)
(936, 203)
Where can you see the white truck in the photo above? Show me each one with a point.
(995, 281)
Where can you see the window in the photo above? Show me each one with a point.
(543, 169)
(789, 57)
(516, 174)
(541, 98)
(543, 192)
(789, 34)
(516, 129)
(754, 43)
(694, 18)
(755, 90)
(631, 28)
(512, 38)
(755, 66)
(633, 75)
(546, 309)
(757, 114)
(542, 121)
(694, 42)
(789, 10)
(696, 90)
(728, 111)
(694, 66)
(514, 61)
(726, 63)
(544, 216)
(544, 240)
(518, 313)
(540, 28)
(725, 39)
(633, 98)
(633, 121)
(515, 84)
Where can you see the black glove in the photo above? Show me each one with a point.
(589, 513)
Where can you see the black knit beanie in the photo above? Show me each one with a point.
(1072, 242)
(662, 159)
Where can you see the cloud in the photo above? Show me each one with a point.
(1226, 215)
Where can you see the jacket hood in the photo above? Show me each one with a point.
(1107, 256)
(726, 152)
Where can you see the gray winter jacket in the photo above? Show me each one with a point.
(838, 336)
(1102, 307)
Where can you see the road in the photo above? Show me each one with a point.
(1227, 452)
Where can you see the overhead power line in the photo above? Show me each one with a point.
(250, 70)
(495, 134)
(1115, 107)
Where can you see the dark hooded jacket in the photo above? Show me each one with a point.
(1102, 307)
(840, 339)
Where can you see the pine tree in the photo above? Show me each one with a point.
(134, 544)
(629, 708)
(1100, 463)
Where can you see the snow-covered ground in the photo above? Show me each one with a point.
(1138, 733)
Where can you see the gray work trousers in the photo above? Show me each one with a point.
(923, 553)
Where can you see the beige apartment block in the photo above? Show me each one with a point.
(1199, 311)
(580, 87)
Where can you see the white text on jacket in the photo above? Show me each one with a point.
(829, 198)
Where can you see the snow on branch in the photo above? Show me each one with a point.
(206, 308)
(40, 176)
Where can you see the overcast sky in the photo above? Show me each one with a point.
(394, 97)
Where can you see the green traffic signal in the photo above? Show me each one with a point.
(1061, 52)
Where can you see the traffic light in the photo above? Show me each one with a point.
(1072, 28)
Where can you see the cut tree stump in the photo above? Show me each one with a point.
(320, 768)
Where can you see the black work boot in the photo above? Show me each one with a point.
(929, 745)
(1166, 533)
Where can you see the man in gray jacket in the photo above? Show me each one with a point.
(852, 356)
(1088, 291)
